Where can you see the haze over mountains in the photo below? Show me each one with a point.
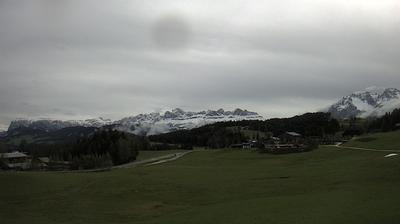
(145, 124)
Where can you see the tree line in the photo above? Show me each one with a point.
(388, 122)
(103, 148)
(358, 126)
(221, 134)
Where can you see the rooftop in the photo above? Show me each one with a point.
(293, 133)
(13, 155)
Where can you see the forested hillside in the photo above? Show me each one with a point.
(224, 134)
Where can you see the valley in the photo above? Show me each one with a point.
(206, 167)
(199, 112)
(209, 186)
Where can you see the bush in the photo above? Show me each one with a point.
(311, 144)
(91, 162)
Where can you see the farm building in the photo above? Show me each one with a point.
(245, 145)
(15, 160)
(288, 142)
(291, 137)
(284, 148)
(272, 140)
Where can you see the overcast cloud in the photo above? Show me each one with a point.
(78, 59)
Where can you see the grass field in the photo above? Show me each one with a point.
(384, 141)
(323, 186)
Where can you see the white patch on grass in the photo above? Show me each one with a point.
(391, 154)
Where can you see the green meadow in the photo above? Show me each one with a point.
(327, 185)
(382, 140)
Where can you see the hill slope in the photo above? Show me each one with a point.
(223, 134)
(30, 135)
(324, 186)
(384, 141)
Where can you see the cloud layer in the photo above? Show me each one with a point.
(79, 59)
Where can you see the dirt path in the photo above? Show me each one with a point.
(146, 162)
(339, 146)
(155, 160)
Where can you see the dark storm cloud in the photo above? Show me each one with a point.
(78, 59)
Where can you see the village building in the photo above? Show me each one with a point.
(246, 145)
(41, 163)
(44, 160)
(291, 137)
(286, 143)
(272, 141)
(15, 160)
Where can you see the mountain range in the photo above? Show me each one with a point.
(371, 102)
(143, 124)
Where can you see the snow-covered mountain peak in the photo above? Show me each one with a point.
(373, 101)
(178, 119)
(145, 124)
(178, 111)
(53, 124)
(373, 90)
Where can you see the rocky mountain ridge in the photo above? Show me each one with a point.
(144, 124)
(371, 102)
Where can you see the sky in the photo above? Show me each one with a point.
(82, 59)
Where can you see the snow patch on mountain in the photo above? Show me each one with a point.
(178, 119)
(145, 124)
(52, 125)
(371, 102)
